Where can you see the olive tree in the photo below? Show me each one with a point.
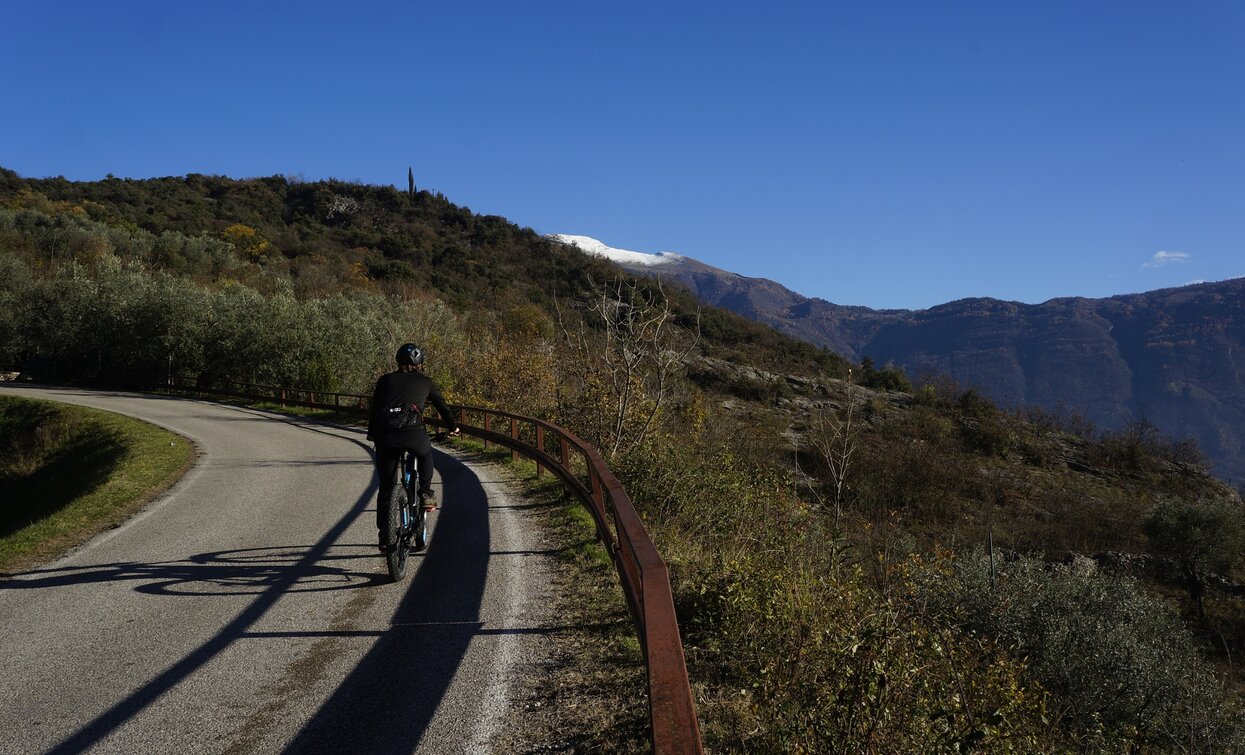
(1202, 537)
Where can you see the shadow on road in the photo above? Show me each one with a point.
(271, 582)
(239, 572)
(387, 702)
(385, 705)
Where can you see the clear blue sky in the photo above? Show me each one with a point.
(890, 154)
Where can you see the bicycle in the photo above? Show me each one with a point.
(406, 522)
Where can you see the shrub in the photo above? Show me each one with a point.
(912, 463)
(889, 378)
(790, 647)
(32, 430)
(817, 664)
(1139, 444)
(1120, 665)
(1061, 419)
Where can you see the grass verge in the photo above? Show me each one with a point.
(68, 473)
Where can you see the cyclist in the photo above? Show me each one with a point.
(396, 423)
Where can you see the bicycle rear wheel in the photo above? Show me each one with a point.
(399, 541)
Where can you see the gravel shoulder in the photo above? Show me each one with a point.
(585, 690)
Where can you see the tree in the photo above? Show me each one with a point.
(832, 433)
(249, 242)
(626, 366)
(15, 283)
(1202, 537)
(889, 378)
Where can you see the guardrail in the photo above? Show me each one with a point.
(641, 570)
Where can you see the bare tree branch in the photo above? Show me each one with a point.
(639, 353)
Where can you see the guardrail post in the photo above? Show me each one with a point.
(566, 459)
(487, 421)
(514, 435)
(598, 493)
(540, 444)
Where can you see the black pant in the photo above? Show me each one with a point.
(387, 467)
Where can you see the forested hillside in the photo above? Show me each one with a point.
(825, 522)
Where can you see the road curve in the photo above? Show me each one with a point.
(247, 610)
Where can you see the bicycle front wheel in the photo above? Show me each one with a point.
(421, 528)
(395, 558)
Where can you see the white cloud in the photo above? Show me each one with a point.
(1163, 259)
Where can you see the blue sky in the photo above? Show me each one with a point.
(888, 154)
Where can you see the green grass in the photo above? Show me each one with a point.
(328, 415)
(69, 472)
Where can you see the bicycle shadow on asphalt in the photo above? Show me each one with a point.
(387, 703)
(238, 572)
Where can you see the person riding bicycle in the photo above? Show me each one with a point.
(396, 423)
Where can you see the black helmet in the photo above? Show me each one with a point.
(410, 354)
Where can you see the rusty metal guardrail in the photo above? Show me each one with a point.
(641, 570)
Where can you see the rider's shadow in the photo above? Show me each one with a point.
(387, 702)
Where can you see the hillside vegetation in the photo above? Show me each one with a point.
(829, 526)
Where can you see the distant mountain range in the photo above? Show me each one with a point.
(1174, 356)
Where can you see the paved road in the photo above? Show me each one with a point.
(247, 610)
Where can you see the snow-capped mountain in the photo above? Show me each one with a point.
(620, 256)
(814, 320)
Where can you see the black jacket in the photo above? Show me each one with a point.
(406, 388)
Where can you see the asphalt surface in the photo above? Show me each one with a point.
(248, 610)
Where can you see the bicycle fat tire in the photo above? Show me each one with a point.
(395, 559)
